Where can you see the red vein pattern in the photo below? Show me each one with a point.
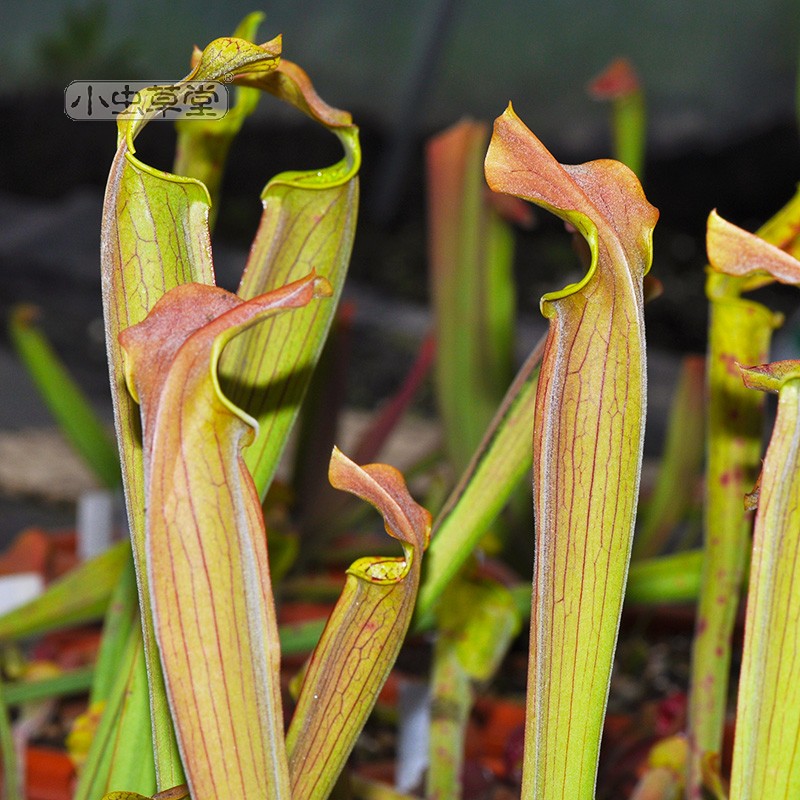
(308, 222)
(588, 432)
(206, 544)
(740, 331)
(154, 237)
(766, 759)
(363, 635)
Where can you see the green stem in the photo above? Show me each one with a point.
(68, 404)
(76, 681)
(740, 331)
(11, 777)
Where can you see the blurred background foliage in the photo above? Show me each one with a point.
(719, 80)
(712, 69)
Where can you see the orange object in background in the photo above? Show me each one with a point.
(29, 552)
(49, 775)
(37, 550)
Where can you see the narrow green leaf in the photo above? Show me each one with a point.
(308, 223)
(74, 681)
(121, 641)
(740, 332)
(673, 578)
(767, 743)
(80, 596)
(497, 467)
(121, 752)
(72, 410)
(121, 615)
(206, 544)
(472, 287)
(681, 463)
(363, 634)
(588, 434)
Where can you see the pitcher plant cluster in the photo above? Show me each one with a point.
(187, 697)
